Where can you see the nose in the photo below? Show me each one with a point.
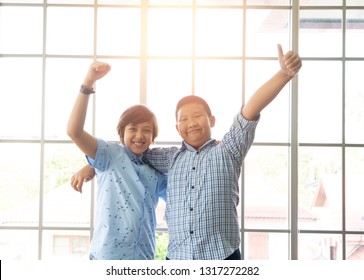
(139, 134)
(191, 122)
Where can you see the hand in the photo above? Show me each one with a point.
(290, 62)
(83, 175)
(96, 71)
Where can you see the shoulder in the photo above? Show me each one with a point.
(112, 145)
(244, 124)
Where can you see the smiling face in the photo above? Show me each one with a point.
(138, 137)
(194, 124)
(137, 128)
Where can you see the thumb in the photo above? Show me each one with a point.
(280, 51)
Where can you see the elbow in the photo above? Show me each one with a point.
(72, 132)
(250, 115)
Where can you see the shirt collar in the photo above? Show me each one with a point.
(192, 149)
(137, 160)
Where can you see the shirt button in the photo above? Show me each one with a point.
(191, 209)
(192, 187)
(191, 232)
(193, 168)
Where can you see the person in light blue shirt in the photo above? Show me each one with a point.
(128, 188)
(203, 174)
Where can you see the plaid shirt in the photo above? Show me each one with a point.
(203, 193)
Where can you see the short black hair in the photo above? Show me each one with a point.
(193, 99)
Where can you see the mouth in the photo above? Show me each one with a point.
(193, 131)
(138, 143)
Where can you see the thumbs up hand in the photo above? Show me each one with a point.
(290, 62)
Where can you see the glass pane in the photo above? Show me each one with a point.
(126, 41)
(161, 245)
(160, 214)
(171, 2)
(60, 96)
(119, 2)
(265, 29)
(65, 245)
(167, 82)
(268, 2)
(219, 83)
(354, 102)
(63, 206)
(266, 246)
(354, 247)
(21, 30)
(116, 92)
(19, 120)
(22, 1)
(354, 189)
(324, 27)
(266, 188)
(19, 184)
(220, 2)
(19, 245)
(321, 3)
(170, 32)
(355, 2)
(219, 32)
(274, 122)
(320, 102)
(71, 1)
(354, 32)
(319, 247)
(320, 188)
(71, 36)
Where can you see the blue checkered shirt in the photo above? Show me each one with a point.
(203, 193)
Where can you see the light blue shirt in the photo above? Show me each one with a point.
(127, 195)
(203, 193)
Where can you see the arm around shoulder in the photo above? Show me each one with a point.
(85, 174)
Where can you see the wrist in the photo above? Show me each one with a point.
(86, 90)
(88, 83)
(287, 75)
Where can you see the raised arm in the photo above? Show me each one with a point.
(290, 64)
(75, 128)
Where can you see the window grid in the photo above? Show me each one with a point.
(294, 144)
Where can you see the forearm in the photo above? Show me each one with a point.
(75, 128)
(77, 118)
(265, 95)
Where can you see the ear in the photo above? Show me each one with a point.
(177, 129)
(212, 121)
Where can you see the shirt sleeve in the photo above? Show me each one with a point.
(240, 137)
(102, 157)
(162, 187)
(160, 158)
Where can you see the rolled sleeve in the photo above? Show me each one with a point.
(102, 157)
